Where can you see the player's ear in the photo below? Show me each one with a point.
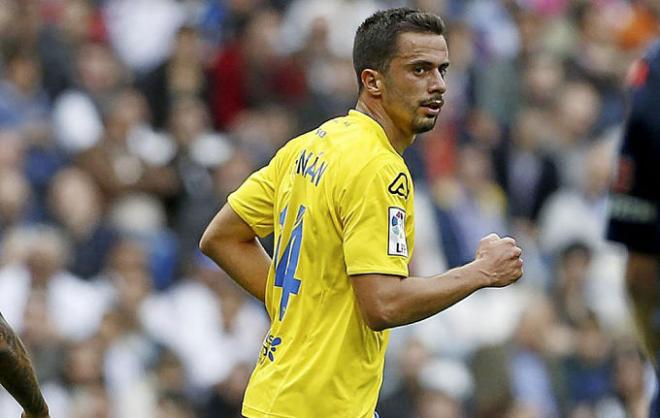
(372, 81)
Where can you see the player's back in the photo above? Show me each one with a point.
(341, 195)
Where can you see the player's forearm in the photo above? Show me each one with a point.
(17, 374)
(247, 263)
(412, 299)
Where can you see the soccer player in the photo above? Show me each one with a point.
(635, 201)
(17, 375)
(339, 200)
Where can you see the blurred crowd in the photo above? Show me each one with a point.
(124, 124)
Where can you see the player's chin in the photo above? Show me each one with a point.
(425, 124)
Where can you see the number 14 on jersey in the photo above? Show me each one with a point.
(286, 265)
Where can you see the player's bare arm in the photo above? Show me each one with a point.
(233, 245)
(389, 301)
(17, 374)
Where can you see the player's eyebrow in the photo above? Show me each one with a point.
(420, 61)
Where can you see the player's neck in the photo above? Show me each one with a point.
(399, 139)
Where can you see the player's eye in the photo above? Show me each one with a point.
(443, 70)
(418, 70)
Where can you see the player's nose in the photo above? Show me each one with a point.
(437, 83)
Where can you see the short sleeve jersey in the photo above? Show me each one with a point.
(339, 201)
(635, 199)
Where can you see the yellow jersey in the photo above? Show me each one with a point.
(339, 201)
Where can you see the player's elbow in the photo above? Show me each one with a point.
(379, 316)
(378, 300)
(209, 242)
(205, 243)
(226, 230)
(377, 325)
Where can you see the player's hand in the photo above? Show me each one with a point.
(499, 260)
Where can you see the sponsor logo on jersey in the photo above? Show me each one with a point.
(399, 186)
(397, 243)
(632, 209)
(269, 348)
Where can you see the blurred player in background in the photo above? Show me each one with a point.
(17, 374)
(635, 200)
(339, 200)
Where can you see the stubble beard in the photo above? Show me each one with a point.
(422, 124)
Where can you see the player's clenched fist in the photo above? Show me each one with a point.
(499, 260)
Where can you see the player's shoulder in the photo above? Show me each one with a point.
(380, 175)
(375, 171)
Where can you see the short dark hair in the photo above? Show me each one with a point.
(375, 39)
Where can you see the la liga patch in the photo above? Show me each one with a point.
(397, 243)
